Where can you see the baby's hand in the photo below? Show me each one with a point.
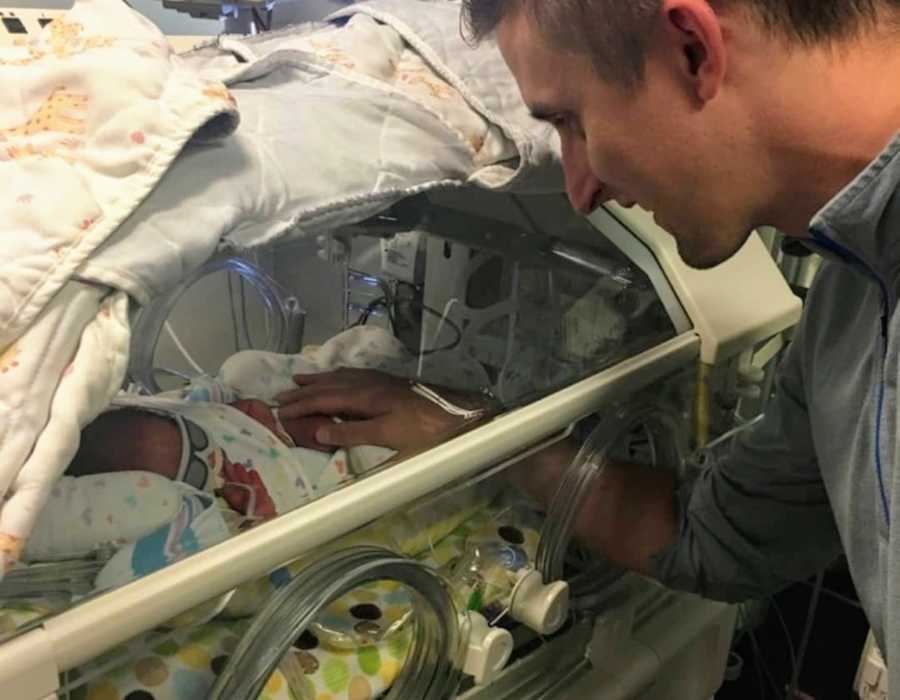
(239, 483)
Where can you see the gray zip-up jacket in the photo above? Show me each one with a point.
(821, 472)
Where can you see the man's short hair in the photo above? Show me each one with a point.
(614, 32)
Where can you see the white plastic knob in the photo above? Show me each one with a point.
(489, 650)
(542, 607)
(751, 391)
(752, 375)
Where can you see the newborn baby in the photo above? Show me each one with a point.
(163, 461)
(177, 447)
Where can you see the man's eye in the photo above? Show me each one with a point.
(568, 123)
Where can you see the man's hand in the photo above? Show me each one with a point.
(377, 409)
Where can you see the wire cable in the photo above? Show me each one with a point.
(151, 321)
(183, 350)
(787, 635)
(807, 631)
(437, 333)
(764, 664)
(234, 320)
(245, 326)
(453, 344)
(445, 321)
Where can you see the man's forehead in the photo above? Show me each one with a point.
(535, 65)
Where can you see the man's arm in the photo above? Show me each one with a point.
(760, 518)
(628, 514)
(752, 523)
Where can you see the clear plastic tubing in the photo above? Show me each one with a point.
(433, 666)
(150, 323)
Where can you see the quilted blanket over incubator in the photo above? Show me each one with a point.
(93, 112)
(129, 170)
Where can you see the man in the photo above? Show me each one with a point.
(721, 116)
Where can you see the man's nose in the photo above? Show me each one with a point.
(582, 186)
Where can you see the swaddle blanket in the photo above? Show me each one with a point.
(264, 375)
(155, 521)
(94, 109)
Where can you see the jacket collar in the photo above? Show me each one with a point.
(864, 218)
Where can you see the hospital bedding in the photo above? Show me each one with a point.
(152, 521)
(102, 213)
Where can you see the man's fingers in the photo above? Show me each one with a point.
(291, 396)
(330, 402)
(309, 390)
(341, 375)
(311, 379)
(303, 431)
(326, 404)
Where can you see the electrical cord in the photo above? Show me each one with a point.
(807, 632)
(234, 320)
(445, 321)
(455, 343)
(763, 663)
(183, 350)
(834, 594)
(787, 635)
(151, 321)
(244, 323)
(384, 302)
(370, 309)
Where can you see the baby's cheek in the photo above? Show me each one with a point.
(303, 432)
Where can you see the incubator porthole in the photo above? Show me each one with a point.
(366, 612)
(218, 664)
(511, 534)
(307, 641)
(139, 695)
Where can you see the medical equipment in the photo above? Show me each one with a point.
(560, 319)
(555, 365)
(284, 320)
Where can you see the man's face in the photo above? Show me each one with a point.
(654, 144)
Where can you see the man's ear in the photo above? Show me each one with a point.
(696, 35)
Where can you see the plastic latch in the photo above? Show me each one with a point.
(541, 606)
(489, 649)
(872, 678)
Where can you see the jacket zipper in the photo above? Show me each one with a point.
(851, 257)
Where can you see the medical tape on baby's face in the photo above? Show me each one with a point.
(196, 448)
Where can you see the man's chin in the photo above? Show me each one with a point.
(703, 258)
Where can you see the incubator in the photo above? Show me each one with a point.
(271, 568)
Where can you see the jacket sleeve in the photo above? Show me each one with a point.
(758, 518)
